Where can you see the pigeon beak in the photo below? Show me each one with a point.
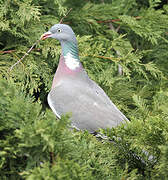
(45, 35)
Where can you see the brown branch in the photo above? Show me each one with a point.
(11, 51)
(102, 57)
(65, 16)
(115, 20)
(110, 58)
(108, 21)
(7, 52)
(52, 158)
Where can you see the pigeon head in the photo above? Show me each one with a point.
(67, 38)
(61, 32)
(69, 47)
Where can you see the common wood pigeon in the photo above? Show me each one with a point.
(73, 91)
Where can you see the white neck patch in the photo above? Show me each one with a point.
(71, 62)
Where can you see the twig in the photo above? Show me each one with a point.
(7, 52)
(102, 57)
(23, 56)
(52, 158)
(13, 50)
(120, 69)
(65, 16)
(110, 58)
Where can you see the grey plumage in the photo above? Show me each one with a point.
(91, 108)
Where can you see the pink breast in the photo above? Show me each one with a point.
(63, 71)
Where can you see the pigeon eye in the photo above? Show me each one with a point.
(59, 30)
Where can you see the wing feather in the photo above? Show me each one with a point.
(91, 108)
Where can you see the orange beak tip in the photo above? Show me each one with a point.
(44, 36)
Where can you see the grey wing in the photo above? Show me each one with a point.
(91, 108)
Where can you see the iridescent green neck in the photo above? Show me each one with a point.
(70, 47)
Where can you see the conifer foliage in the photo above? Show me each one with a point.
(123, 45)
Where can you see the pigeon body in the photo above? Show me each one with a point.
(73, 91)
